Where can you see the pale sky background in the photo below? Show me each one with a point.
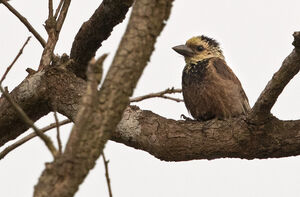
(255, 36)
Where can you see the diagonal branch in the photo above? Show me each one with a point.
(93, 129)
(290, 67)
(29, 137)
(62, 15)
(105, 162)
(29, 122)
(14, 61)
(31, 96)
(164, 138)
(25, 22)
(94, 31)
(58, 9)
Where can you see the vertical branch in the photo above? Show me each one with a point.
(53, 28)
(58, 133)
(105, 162)
(50, 7)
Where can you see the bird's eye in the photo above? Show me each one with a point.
(200, 48)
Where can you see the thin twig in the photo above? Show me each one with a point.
(50, 7)
(62, 15)
(25, 22)
(107, 174)
(30, 136)
(28, 121)
(58, 9)
(53, 28)
(58, 133)
(14, 61)
(160, 95)
(172, 99)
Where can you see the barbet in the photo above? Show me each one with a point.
(210, 88)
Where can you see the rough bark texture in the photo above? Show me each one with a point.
(31, 95)
(166, 139)
(172, 140)
(59, 88)
(144, 130)
(96, 120)
(97, 29)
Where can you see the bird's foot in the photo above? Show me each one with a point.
(185, 118)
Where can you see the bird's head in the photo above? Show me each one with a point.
(199, 48)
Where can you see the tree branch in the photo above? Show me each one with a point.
(50, 8)
(172, 140)
(160, 94)
(105, 162)
(58, 9)
(29, 137)
(290, 67)
(53, 28)
(94, 31)
(95, 121)
(58, 133)
(32, 97)
(14, 61)
(29, 122)
(25, 22)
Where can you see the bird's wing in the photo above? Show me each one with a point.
(223, 70)
(226, 73)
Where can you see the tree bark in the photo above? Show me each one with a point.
(256, 135)
(172, 140)
(31, 95)
(93, 32)
(100, 113)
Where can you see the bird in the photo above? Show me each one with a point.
(210, 88)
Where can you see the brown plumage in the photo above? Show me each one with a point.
(210, 88)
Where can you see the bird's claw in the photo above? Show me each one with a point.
(185, 118)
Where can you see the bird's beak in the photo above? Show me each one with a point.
(184, 50)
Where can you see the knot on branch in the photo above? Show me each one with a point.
(63, 61)
(296, 41)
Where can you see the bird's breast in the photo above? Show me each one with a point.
(195, 73)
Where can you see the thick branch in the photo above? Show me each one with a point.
(164, 138)
(28, 121)
(94, 31)
(31, 96)
(290, 67)
(172, 140)
(96, 120)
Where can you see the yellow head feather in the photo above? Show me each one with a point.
(210, 48)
